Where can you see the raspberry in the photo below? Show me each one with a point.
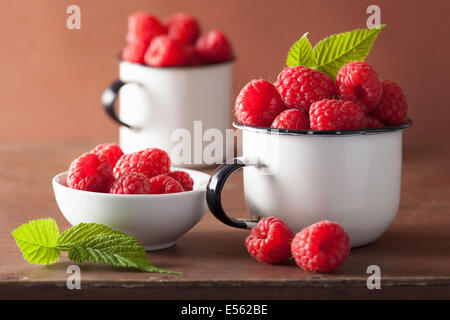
(183, 178)
(392, 108)
(294, 119)
(183, 28)
(373, 122)
(131, 183)
(336, 115)
(192, 57)
(358, 82)
(300, 87)
(111, 151)
(258, 104)
(164, 52)
(134, 52)
(143, 27)
(151, 162)
(164, 184)
(270, 241)
(322, 247)
(214, 47)
(90, 172)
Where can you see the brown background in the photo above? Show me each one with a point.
(52, 78)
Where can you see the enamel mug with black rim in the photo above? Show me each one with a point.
(161, 107)
(349, 177)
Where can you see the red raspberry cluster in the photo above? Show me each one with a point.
(304, 98)
(107, 169)
(321, 247)
(177, 42)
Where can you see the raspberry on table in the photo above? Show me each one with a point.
(258, 104)
(183, 178)
(131, 183)
(111, 151)
(373, 122)
(143, 27)
(357, 81)
(293, 119)
(134, 52)
(90, 172)
(299, 87)
(162, 184)
(392, 108)
(183, 28)
(151, 162)
(165, 52)
(321, 247)
(214, 47)
(270, 241)
(336, 115)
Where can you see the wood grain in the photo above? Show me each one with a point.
(414, 254)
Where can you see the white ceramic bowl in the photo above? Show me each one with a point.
(156, 221)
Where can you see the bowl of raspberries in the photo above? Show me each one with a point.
(137, 193)
(323, 142)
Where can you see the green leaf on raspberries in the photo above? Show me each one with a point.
(37, 240)
(330, 54)
(117, 249)
(300, 54)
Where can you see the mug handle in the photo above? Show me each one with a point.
(214, 191)
(109, 97)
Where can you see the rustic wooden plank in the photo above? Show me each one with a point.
(414, 254)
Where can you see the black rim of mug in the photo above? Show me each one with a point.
(244, 127)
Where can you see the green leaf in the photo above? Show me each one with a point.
(82, 231)
(330, 54)
(101, 244)
(38, 241)
(41, 243)
(300, 54)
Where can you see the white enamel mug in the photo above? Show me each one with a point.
(158, 106)
(349, 177)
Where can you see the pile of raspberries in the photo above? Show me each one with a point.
(306, 99)
(107, 169)
(177, 42)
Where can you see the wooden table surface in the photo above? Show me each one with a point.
(414, 254)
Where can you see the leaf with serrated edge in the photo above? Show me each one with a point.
(332, 53)
(37, 240)
(300, 54)
(82, 231)
(113, 248)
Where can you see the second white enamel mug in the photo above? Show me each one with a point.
(164, 107)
